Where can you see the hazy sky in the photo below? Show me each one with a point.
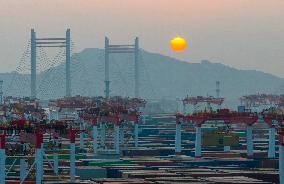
(246, 34)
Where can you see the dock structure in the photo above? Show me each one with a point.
(77, 138)
(30, 126)
(61, 150)
(80, 139)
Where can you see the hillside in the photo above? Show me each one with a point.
(162, 77)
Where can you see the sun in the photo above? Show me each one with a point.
(178, 44)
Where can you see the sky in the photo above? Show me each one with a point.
(245, 34)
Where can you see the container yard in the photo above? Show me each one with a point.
(91, 105)
(108, 140)
(112, 139)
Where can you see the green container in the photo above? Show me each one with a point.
(122, 162)
(241, 134)
(67, 157)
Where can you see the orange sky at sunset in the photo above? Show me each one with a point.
(245, 34)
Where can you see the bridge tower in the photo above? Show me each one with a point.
(120, 49)
(50, 42)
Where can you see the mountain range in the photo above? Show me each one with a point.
(161, 77)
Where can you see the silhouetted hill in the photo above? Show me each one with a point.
(162, 77)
